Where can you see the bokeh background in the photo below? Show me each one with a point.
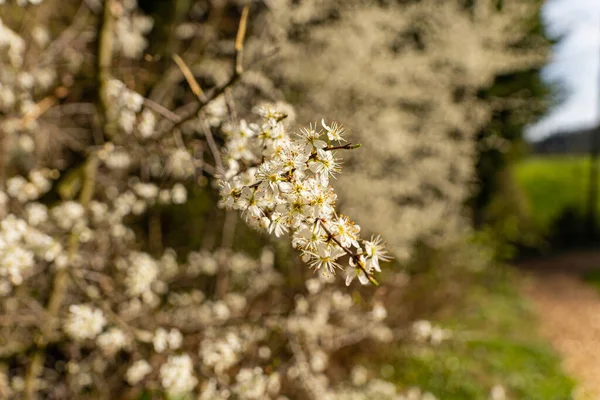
(479, 125)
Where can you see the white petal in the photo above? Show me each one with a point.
(319, 144)
(349, 278)
(363, 278)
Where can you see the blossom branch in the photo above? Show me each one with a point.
(355, 257)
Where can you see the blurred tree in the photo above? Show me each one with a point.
(498, 204)
(431, 81)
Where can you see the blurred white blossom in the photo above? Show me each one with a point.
(84, 322)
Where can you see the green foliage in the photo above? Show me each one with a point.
(507, 224)
(498, 204)
(556, 189)
(593, 278)
(492, 344)
(518, 99)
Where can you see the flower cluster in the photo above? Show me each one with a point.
(21, 245)
(23, 190)
(130, 30)
(85, 322)
(125, 106)
(177, 375)
(289, 191)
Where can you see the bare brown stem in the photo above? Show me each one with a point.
(239, 40)
(104, 61)
(155, 232)
(212, 145)
(163, 111)
(348, 146)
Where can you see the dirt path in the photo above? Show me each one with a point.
(569, 315)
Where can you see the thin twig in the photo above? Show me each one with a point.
(348, 146)
(72, 109)
(105, 54)
(239, 40)
(163, 111)
(230, 105)
(206, 167)
(44, 105)
(189, 77)
(212, 145)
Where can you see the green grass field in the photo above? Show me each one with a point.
(553, 184)
(495, 343)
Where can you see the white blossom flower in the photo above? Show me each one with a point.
(112, 340)
(379, 313)
(147, 191)
(335, 131)
(310, 140)
(142, 271)
(181, 164)
(356, 272)
(345, 231)
(164, 339)
(67, 214)
(179, 194)
(147, 124)
(251, 383)
(84, 322)
(127, 120)
(375, 252)
(37, 213)
(325, 259)
(132, 100)
(137, 371)
(177, 375)
(324, 163)
(359, 375)
(40, 35)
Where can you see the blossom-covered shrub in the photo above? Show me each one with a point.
(96, 141)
